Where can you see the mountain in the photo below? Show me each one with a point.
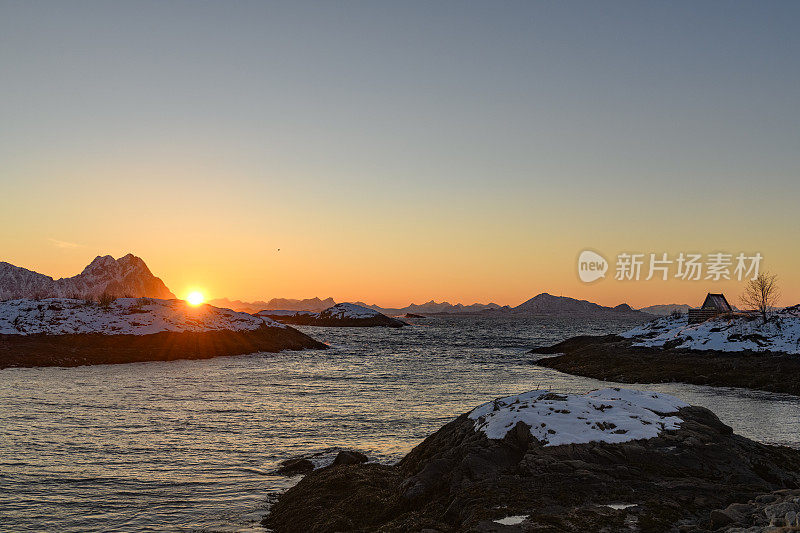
(434, 307)
(666, 309)
(547, 304)
(283, 304)
(309, 304)
(126, 276)
(316, 305)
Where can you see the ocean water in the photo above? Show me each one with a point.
(190, 445)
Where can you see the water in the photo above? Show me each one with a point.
(189, 445)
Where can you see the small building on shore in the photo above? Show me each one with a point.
(715, 304)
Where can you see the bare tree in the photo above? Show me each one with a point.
(761, 294)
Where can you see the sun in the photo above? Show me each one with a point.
(195, 298)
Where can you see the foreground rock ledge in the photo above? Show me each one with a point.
(460, 480)
(613, 358)
(96, 348)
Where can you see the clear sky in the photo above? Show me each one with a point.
(401, 151)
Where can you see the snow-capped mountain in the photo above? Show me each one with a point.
(126, 276)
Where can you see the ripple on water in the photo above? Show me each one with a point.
(190, 445)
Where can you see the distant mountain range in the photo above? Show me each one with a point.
(314, 305)
(126, 276)
(542, 304)
(434, 308)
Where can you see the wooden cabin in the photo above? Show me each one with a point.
(714, 305)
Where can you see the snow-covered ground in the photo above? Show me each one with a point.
(132, 316)
(727, 334)
(606, 415)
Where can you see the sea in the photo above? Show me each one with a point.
(193, 445)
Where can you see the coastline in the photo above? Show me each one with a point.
(71, 350)
(614, 358)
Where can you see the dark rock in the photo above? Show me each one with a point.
(295, 467)
(413, 315)
(349, 457)
(613, 358)
(99, 349)
(721, 518)
(777, 509)
(459, 480)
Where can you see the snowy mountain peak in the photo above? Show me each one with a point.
(126, 276)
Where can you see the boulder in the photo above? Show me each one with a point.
(295, 467)
(460, 479)
(349, 457)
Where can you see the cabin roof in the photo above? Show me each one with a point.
(717, 301)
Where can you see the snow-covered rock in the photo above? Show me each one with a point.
(781, 333)
(126, 276)
(606, 415)
(347, 310)
(124, 316)
(339, 315)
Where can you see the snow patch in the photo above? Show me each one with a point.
(619, 506)
(606, 415)
(726, 334)
(512, 520)
(124, 316)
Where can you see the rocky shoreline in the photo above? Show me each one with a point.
(698, 476)
(614, 358)
(99, 349)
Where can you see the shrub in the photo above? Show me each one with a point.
(106, 299)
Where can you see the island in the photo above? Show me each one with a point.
(729, 350)
(74, 332)
(608, 460)
(340, 315)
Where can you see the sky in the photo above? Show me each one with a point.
(393, 152)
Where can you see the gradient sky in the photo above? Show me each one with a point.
(402, 151)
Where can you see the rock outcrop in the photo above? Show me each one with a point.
(340, 315)
(464, 477)
(614, 358)
(68, 332)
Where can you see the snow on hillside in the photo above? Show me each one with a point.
(606, 415)
(346, 310)
(134, 316)
(726, 334)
